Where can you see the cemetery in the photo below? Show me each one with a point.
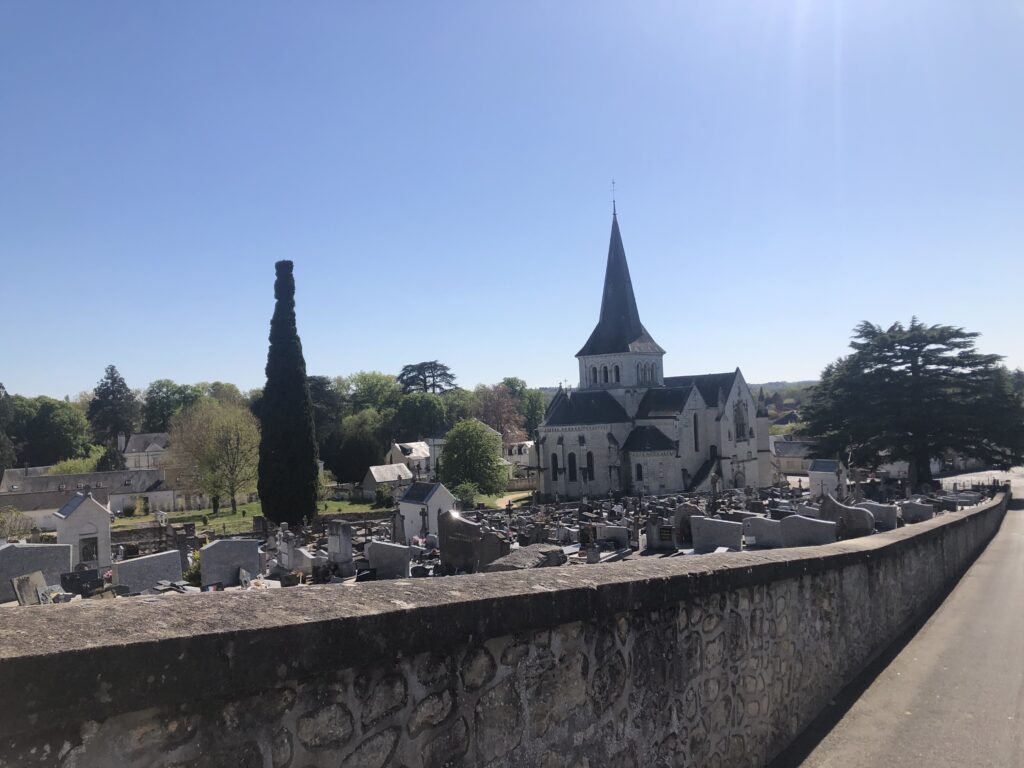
(634, 662)
(411, 542)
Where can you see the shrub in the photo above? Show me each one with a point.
(128, 510)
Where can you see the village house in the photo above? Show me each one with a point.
(630, 428)
(147, 450)
(416, 456)
(390, 476)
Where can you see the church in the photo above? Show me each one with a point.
(631, 429)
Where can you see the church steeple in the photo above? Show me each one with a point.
(618, 329)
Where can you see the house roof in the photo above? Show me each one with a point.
(824, 465)
(709, 384)
(420, 493)
(663, 401)
(72, 504)
(793, 449)
(597, 407)
(389, 473)
(120, 481)
(147, 441)
(648, 439)
(618, 328)
(418, 450)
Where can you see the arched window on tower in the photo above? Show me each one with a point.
(696, 434)
(639, 472)
(590, 466)
(604, 373)
(616, 374)
(572, 467)
(593, 374)
(554, 467)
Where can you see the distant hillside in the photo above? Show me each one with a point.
(775, 386)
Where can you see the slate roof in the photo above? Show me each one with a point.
(663, 401)
(389, 473)
(793, 449)
(583, 407)
(71, 505)
(618, 328)
(419, 450)
(120, 481)
(420, 493)
(142, 441)
(708, 384)
(648, 439)
(824, 465)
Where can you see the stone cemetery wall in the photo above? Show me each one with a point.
(712, 660)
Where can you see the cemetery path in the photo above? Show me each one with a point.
(953, 695)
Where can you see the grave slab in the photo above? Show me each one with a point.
(19, 559)
(220, 560)
(710, 534)
(800, 531)
(762, 532)
(142, 573)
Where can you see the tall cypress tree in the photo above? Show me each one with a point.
(288, 474)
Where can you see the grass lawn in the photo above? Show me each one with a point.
(226, 523)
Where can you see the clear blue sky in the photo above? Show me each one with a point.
(440, 172)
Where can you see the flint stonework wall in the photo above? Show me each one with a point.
(719, 660)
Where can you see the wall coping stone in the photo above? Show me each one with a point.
(93, 659)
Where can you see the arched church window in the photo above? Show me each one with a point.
(554, 466)
(639, 472)
(604, 373)
(740, 416)
(572, 467)
(616, 374)
(593, 375)
(696, 434)
(590, 465)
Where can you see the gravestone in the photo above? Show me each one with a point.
(851, 522)
(709, 534)
(533, 556)
(660, 535)
(142, 573)
(459, 540)
(19, 559)
(809, 510)
(220, 560)
(916, 512)
(493, 545)
(28, 586)
(388, 560)
(82, 581)
(762, 532)
(885, 514)
(800, 531)
(339, 547)
(681, 523)
(618, 534)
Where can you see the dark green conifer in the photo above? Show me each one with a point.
(288, 472)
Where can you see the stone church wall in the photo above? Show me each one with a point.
(717, 660)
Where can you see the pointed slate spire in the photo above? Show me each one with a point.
(619, 328)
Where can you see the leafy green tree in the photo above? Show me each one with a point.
(531, 403)
(111, 460)
(913, 393)
(223, 392)
(79, 466)
(420, 414)
(8, 453)
(459, 404)
(288, 469)
(466, 494)
(472, 454)
(114, 408)
(219, 445)
(373, 389)
(163, 399)
(363, 444)
(429, 376)
(55, 431)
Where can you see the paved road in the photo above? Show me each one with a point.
(954, 694)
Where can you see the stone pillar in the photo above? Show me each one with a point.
(339, 547)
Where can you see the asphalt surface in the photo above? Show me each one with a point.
(953, 694)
